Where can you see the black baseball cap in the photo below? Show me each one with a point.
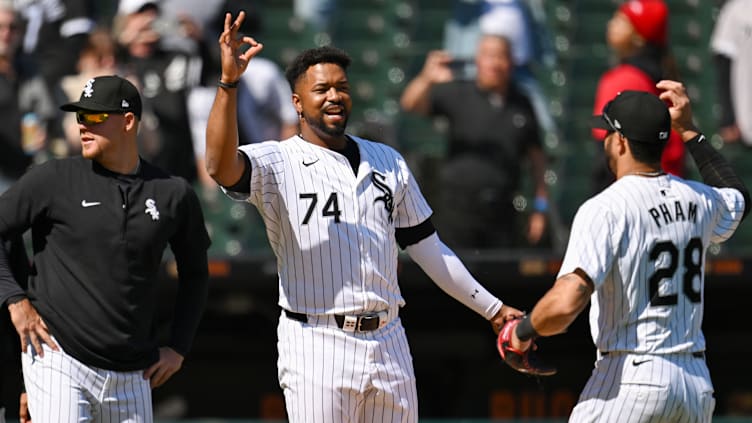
(638, 115)
(109, 93)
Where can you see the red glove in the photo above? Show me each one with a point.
(523, 361)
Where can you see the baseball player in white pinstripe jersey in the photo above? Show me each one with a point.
(335, 207)
(637, 253)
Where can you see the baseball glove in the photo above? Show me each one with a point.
(523, 361)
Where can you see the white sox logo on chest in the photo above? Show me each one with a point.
(388, 198)
(151, 209)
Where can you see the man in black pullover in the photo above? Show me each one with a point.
(100, 225)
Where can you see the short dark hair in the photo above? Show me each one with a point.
(314, 56)
(647, 152)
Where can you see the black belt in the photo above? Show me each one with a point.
(362, 323)
(698, 354)
(296, 316)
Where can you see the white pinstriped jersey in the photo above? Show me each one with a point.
(643, 241)
(334, 232)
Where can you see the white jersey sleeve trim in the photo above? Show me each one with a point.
(448, 272)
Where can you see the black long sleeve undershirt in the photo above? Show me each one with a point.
(244, 184)
(714, 168)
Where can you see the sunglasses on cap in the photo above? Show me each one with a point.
(609, 121)
(91, 118)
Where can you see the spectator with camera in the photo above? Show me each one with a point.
(492, 131)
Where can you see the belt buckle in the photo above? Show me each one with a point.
(363, 318)
(355, 323)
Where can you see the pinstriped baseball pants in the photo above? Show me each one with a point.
(639, 388)
(62, 389)
(329, 375)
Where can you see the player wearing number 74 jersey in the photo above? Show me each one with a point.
(637, 253)
(335, 207)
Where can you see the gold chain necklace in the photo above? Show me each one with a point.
(648, 174)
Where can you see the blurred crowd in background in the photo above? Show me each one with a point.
(487, 98)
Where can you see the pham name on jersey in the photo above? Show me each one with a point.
(667, 213)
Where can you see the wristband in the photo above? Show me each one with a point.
(540, 204)
(525, 330)
(228, 85)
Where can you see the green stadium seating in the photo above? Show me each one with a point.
(388, 41)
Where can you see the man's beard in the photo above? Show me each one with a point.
(332, 131)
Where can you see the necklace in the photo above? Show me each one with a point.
(648, 174)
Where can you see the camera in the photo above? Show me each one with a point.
(166, 26)
(461, 68)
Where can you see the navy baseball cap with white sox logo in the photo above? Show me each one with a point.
(638, 115)
(110, 93)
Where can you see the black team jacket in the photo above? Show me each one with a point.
(98, 240)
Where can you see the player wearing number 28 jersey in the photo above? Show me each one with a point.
(637, 253)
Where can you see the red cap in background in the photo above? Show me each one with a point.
(649, 18)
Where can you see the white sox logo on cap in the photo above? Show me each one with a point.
(89, 88)
(108, 94)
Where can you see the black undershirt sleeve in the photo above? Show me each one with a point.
(244, 184)
(714, 168)
(413, 235)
